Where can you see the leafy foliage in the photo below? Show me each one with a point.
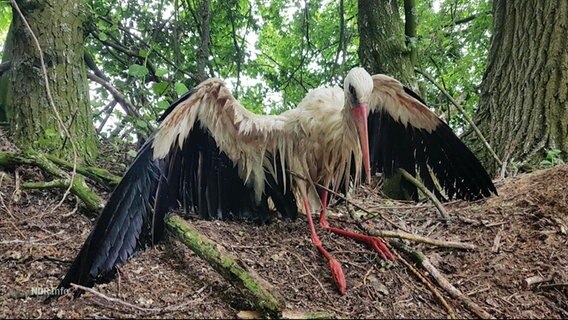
(5, 20)
(270, 52)
(553, 158)
(452, 46)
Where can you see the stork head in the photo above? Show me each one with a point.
(358, 87)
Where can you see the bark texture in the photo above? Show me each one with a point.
(382, 46)
(524, 95)
(58, 26)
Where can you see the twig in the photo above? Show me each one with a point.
(465, 115)
(534, 280)
(51, 102)
(428, 284)
(126, 105)
(312, 275)
(133, 306)
(423, 261)
(553, 285)
(31, 241)
(421, 239)
(427, 192)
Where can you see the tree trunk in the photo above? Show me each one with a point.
(382, 44)
(383, 49)
(57, 25)
(204, 15)
(524, 94)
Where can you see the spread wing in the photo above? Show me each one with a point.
(209, 156)
(404, 133)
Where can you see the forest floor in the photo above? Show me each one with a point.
(520, 234)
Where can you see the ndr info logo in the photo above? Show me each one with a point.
(49, 291)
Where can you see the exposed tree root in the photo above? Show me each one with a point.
(63, 179)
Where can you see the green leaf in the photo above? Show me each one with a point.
(160, 88)
(143, 53)
(101, 26)
(160, 72)
(131, 153)
(49, 132)
(163, 105)
(137, 70)
(141, 124)
(181, 88)
(103, 36)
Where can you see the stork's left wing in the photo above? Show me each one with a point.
(209, 156)
(404, 133)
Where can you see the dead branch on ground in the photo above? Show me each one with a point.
(249, 284)
(422, 239)
(133, 306)
(420, 259)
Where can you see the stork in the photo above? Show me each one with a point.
(213, 158)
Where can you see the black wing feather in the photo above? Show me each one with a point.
(457, 170)
(199, 178)
(119, 230)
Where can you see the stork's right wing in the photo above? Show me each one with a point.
(211, 157)
(404, 133)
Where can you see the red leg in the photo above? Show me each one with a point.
(376, 243)
(322, 218)
(336, 271)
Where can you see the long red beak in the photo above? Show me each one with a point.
(360, 116)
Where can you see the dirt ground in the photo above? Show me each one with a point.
(520, 234)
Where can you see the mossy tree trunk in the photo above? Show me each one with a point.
(524, 94)
(57, 25)
(384, 48)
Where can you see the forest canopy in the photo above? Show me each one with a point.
(270, 52)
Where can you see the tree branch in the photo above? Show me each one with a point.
(465, 115)
(423, 261)
(410, 28)
(427, 192)
(168, 61)
(90, 62)
(422, 239)
(126, 105)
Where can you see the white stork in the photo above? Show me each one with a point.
(216, 159)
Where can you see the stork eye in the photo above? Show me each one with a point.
(353, 93)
